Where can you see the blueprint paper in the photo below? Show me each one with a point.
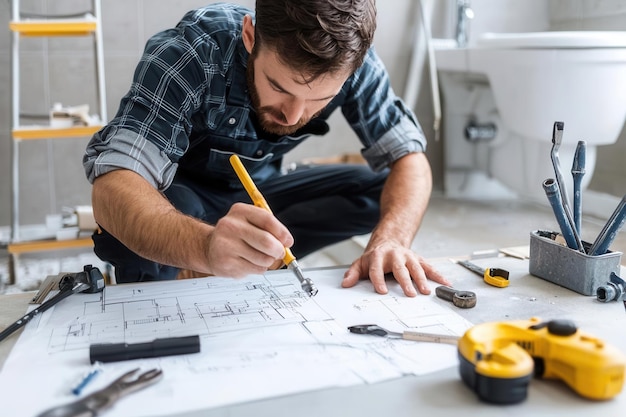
(261, 337)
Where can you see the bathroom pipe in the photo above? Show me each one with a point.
(578, 171)
(610, 229)
(551, 187)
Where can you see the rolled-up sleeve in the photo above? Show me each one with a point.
(125, 149)
(404, 138)
(151, 129)
(181, 73)
(387, 128)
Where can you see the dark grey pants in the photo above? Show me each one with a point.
(320, 205)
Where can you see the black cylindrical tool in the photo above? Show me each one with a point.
(114, 352)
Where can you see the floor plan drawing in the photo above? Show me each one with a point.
(261, 334)
(206, 308)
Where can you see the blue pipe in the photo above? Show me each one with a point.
(578, 171)
(551, 188)
(609, 231)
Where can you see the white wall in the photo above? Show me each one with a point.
(60, 70)
(610, 173)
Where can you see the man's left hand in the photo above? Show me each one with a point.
(408, 268)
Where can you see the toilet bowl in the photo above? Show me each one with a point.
(523, 83)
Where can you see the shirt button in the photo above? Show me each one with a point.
(232, 121)
(259, 153)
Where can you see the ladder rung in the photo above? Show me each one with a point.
(53, 28)
(26, 133)
(44, 245)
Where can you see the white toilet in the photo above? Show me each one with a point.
(522, 83)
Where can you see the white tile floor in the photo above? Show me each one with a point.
(451, 228)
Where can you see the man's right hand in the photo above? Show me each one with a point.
(248, 240)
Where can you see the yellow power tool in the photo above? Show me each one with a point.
(498, 360)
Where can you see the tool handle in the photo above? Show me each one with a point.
(551, 189)
(430, 337)
(255, 195)
(578, 172)
(247, 182)
(289, 257)
(609, 231)
(577, 207)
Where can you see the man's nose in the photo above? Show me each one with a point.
(292, 111)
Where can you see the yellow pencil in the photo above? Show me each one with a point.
(259, 201)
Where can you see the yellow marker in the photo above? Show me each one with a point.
(259, 201)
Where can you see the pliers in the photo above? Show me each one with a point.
(94, 403)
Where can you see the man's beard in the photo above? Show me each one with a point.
(267, 113)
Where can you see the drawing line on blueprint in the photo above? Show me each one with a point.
(207, 307)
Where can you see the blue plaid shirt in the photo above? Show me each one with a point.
(188, 110)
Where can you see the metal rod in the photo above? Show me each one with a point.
(99, 56)
(15, 124)
(551, 188)
(610, 229)
(578, 172)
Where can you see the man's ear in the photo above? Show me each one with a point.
(247, 33)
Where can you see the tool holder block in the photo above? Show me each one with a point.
(567, 267)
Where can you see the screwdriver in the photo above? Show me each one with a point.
(259, 201)
(492, 276)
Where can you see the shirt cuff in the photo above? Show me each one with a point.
(125, 149)
(404, 138)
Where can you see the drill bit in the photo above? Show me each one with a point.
(259, 201)
(306, 283)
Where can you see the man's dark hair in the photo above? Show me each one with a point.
(316, 37)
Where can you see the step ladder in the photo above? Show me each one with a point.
(89, 24)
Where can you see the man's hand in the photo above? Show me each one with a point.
(408, 268)
(403, 202)
(248, 240)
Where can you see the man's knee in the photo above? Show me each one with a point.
(185, 200)
(327, 220)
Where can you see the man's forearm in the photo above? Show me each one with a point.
(404, 201)
(135, 213)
